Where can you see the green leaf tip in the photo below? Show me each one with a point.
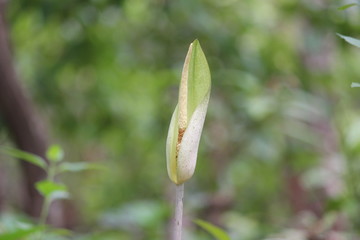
(25, 156)
(353, 41)
(347, 6)
(196, 41)
(188, 118)
(215, 231)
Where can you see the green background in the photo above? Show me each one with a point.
(104, 75)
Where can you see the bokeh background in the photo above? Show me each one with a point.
(279, 155)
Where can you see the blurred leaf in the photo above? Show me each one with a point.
(260, 107)
(20, 233)
(55, 153)
(29, 157)
(79, 166)
(347, 6)
(335, 204)
(59, 195)
(240, 225)
(352, 133)
(352, 41)
(354, 84)
(52, 190)
(213, 230)
(329, 220)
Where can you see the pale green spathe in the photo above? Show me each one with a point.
(194, 94)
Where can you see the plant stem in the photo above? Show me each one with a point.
(47, 200)
(178, 212)
(44, 211)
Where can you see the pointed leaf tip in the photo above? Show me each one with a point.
(196, 41)
(347, 6)
(353, 41)
(25, 156)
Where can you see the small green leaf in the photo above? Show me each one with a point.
(354, 84)
(352, 41)
(20, 233)
(25, 156)
(55, 153)
(79, 166)
(52, 190)
(347, 6)
(216, 232)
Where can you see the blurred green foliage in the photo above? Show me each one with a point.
(104, 74)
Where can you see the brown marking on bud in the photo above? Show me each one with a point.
(180, 136)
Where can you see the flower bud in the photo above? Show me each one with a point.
(188, 118)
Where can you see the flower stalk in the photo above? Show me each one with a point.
(179, 206)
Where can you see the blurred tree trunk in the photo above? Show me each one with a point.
(21, 120)
(28, 133)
